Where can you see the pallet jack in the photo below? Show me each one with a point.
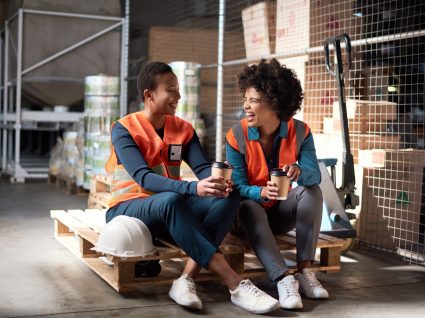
(335, 218)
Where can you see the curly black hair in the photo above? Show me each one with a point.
(147, 77)
(276, 83)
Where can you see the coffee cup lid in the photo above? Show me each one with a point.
(278, 172)
(222, 165)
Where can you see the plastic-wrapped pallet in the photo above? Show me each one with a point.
(189, 77)
(79, 165)
(70, 154)
(101, 108)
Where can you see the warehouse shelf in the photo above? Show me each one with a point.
(44, 116)
(13, 119)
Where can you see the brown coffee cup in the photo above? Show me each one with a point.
(279, 177)
(221, 169)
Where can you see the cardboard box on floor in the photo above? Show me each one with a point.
(391, 203)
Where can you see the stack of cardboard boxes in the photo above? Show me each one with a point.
(285, 26)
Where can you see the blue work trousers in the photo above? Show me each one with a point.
(197, 225)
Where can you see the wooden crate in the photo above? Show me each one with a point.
(100, 189)
(78, 230)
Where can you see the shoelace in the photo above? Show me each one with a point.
(291, 288)
(190, 285)
(312, 280)
(250, 288)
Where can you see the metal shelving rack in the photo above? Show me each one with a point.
(12, 117)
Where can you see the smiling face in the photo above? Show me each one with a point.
(257, 109)
(164, 98)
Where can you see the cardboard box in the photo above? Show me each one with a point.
(371, 111)
(355, 126)
(168, 44)
(377, 81)
(391, 203)
(301, 24)
(357, 142)
(259, 29)
(372, 158)
(292, 25)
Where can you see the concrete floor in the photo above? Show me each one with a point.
(40, 277)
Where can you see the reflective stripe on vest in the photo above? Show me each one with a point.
(160, 155)
(257, 169)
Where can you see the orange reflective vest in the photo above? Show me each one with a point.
(258, 172)
(163, 156)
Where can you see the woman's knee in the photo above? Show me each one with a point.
(171, 204)
(229, 206)
(312, 193)
(250, 210)
(170, 199)
(312, 201)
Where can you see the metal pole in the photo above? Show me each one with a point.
(374, 40)
(124, 60)
(72, 47)
(5, 94)
(72, 15)
(219, 118)
(2, 86)
(18, 91)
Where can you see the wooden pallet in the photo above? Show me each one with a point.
(67, 183)
(79, 230)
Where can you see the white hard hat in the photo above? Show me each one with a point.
(125, 236)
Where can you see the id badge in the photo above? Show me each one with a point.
(175, 152)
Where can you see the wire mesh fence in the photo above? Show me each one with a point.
(384, 88)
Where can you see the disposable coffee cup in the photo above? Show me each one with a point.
(279, 177)
(221, 169)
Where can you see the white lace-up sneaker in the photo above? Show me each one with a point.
(309, 285)
(289, 297)
(183, 292)
(252, 299)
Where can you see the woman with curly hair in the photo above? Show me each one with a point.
(270, 138)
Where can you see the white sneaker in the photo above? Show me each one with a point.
(289, 297)
(183, 292)
(252, 299)
(309, 285)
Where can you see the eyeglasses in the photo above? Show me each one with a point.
(252, 101)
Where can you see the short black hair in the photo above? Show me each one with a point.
(276, 83)
(146, 79)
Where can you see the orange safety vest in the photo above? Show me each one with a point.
(258, 172)
(163, 156)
